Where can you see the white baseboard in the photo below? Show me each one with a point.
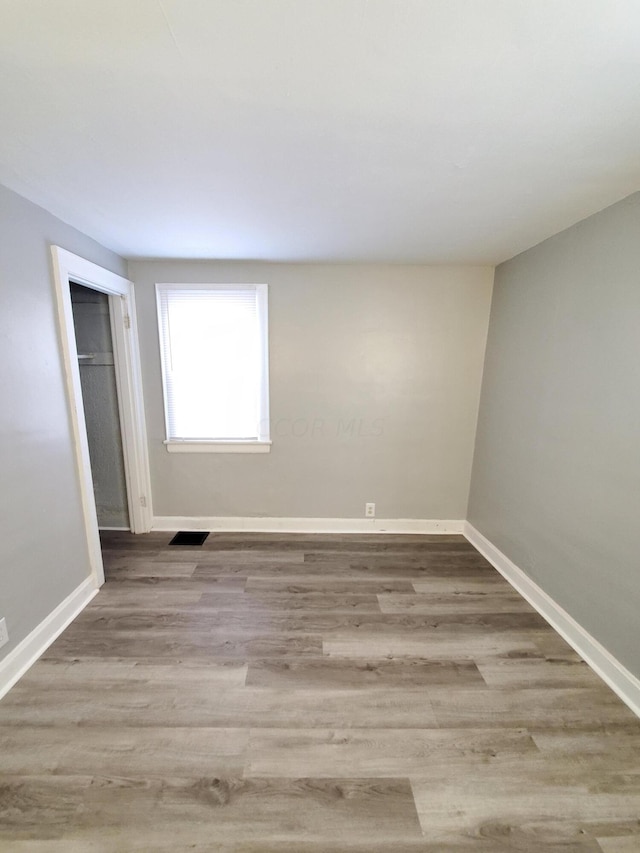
(26, 653)
(307, 525)
(601, 661)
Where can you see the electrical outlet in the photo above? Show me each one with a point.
(370, 510)
(4, 634)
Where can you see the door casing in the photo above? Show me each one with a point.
(67, 268)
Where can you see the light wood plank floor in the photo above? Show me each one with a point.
(313, 694)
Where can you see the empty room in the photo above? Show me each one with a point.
(319, 347)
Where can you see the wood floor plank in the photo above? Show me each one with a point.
(195, 619)
(227, 807)
(614, 829)
(144, 596)
(152, 752)
(122, 556)
(539, 672)
(400, 570)
(377, 752)
(248, 707)
(621, 744)
(441, 646)
(151, 841)
(575, 707)
(235, 562)
(412, 556)
(329, 585)
(534, 798)
(121, 569)
(552, 645)
(99, 671)
(204, 619)
(333, 673)
(493, 602)
(165, 586)
(196, 616)
(213, 558)
(272, 601)
(414, 567)
(472, 582)
(167, 643)
(620, 844)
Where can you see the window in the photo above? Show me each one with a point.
(214, 351)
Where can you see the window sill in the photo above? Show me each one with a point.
(174, 446)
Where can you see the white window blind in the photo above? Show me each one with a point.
(213, 341)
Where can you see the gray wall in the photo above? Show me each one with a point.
(556, 476)
(396, 350)
(43, 554)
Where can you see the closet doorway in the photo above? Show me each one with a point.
(114, 418)
(94, 342)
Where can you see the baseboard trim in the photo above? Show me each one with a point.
(27, 652)
(307, 525)
(601, 661)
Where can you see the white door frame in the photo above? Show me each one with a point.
(68, 268)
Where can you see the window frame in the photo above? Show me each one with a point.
(221, 445)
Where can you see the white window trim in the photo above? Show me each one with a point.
(263, 443)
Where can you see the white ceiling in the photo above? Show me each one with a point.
(384, 130)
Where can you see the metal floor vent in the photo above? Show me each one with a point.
(184, 537)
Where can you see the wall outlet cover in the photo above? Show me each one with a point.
(4, 633)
